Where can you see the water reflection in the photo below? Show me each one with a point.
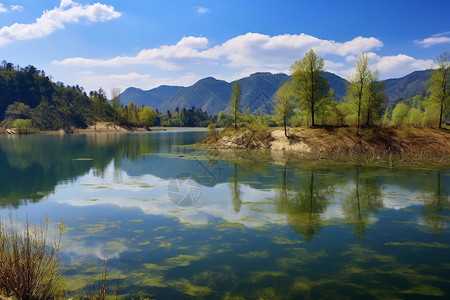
(258, 228)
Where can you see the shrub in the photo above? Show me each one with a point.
(28, 268)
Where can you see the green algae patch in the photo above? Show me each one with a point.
(182, 260)
(135, 220)
(285, 241)
(425, 290)
(144, 243)
(155, 267)
(254, 254)
(262, 275)
(152, 281)
(186, 287)
(112, 245)
(419, 244)
(165, 244)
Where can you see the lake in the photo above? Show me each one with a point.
(176, 221)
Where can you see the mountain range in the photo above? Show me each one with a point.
(257, 92)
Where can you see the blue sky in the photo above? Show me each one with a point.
(146, 43)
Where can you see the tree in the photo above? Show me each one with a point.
(23, 125)
(356, 89)
(235, 101)
(310, 88)
(283, 104)
(376, 96)
(439, 84)
(115, 98)
(399, 114)
(148, 116)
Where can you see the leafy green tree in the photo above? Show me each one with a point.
(356, 89)
(310, 88)
(414, 117)
(283, 104)
(235, 101)
(439, 84)
(148, 116)
(375, 98)
(399, 114)
(23, 125)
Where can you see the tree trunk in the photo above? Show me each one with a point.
(285, 131)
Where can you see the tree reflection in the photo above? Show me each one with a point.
(433, 210)
(235, 191)
(304, 206)
(32, 166)
(365, 199)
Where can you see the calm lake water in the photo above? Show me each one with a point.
(176, 222)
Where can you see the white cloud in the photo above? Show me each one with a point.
(16, 7)
(52, 20)
(202, 10)
(439, 38)
(178, 56)
(252, 50)
(391, 66)
(3, 9)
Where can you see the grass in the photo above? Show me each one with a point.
(29, 261)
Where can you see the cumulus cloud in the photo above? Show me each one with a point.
(439, 38)
(202, 10)
(248, 51)
(55, 19)
(3, 9)
(186, 52)
(392, 66)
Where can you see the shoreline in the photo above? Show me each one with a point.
(104, 127)
(373, 145)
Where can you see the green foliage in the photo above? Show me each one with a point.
(283, 104)
(23, 125)
(414, 117)
(309, 87)
(29, 94)
(357, 87)
(193, 117)
(439, 85)
(376, 96)
(235, 101)
(147, 116)
(399, 114)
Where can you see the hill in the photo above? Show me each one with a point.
(209, 94)
(258, 90)
(152, 98)
(26, 93)
(408, 86)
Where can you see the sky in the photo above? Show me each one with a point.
(148, 43)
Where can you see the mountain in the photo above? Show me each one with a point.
(212, 95)
(408, 86)
(209, 94)
(152, 98)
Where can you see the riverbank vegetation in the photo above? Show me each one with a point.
(29, 261)
(360, 124)
(30, 102)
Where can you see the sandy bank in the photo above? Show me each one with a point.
(342, 143)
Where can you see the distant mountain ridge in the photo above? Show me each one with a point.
(258, 90)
